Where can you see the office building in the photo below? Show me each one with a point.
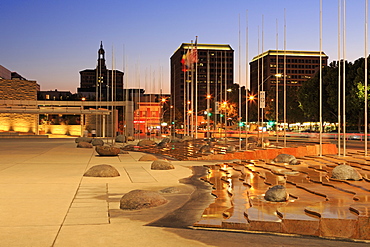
(268, 68)
(215, 66)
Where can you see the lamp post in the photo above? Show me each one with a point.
(262, 101)
(163, 101)
(277, 75)
(208, 98)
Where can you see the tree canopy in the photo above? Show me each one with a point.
(332, 84)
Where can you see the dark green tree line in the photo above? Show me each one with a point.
(308, 94)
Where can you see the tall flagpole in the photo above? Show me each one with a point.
(187, 105)
(173, 106)
(221, 88)
(216, 96)
(262, 87)
(196, 85)
(258, 86)
(185, 96)
(344, 78)
(192, 96)
(366, 55)
(225, 96)
(284, 74)
(208, 94)
(246, 83)
(240, 96)
(339, 82)
(320, 78)
(123, 93)
(277, 85)
(112, 95)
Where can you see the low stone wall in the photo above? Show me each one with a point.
(73, 130)
(300, 151)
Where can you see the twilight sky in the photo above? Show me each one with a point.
(51, 41)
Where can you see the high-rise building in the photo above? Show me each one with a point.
(268, 68)
(99, 81)
(215, 66)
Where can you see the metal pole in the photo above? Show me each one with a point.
(366, 55)
(262, 110)
(246, 85)
(344, 78)
(208, 93)
(258, 86)
(339, 83)
(196, 88)
(192, 95)
(320, 78)
(277, 86)
(225, 96)
(240, 96)
(284, 74)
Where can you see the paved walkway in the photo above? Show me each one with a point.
(46, 201)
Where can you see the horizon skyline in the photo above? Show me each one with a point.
(50, 42)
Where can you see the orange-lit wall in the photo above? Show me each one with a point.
(18, 122)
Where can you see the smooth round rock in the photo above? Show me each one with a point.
(138, 199)
(84, 145)
(164, 142)
(120, 138)
(102, 171)
(148, 157)
(253, 139)
(345, 172)
(276, 193)
(97, 142)
(83, 139)
(107, 151)
(146, 143)
(286, 158)
(130, 138)
(205, 149)
(161, 165)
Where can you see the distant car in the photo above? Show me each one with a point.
(355, 136)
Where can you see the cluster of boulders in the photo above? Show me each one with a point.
(157, 164)
(88, 142)
(278, 193)
(100, 147)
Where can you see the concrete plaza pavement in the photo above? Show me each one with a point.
(46, 201)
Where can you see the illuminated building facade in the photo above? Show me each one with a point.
(14, 87)
(219, 71)
(300, 66)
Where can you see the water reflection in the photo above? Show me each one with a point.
(318, 205)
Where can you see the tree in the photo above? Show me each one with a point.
(308, 95)
(293, 111)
